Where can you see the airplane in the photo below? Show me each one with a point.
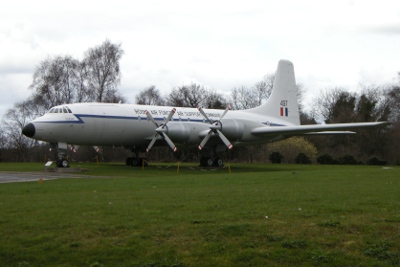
(140, 127)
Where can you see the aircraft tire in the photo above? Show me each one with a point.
(219, 162)
(135, 161)
(62, 163)
(209, 162)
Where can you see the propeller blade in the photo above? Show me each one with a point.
(170, 143)
(224, 139)
(226, 110)
(151, 118)
(170, 116)
(203, 143)
(152, 143)
(204, 114)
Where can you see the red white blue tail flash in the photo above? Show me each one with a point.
(284, 112)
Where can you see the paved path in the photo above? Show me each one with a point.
(12, 177)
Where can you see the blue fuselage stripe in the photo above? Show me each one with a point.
(81, 116)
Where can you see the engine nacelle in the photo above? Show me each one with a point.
(232, 129)
(184, 132)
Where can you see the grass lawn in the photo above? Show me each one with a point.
(257, 215)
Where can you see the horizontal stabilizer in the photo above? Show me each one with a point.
(312, 129)
(331, 133)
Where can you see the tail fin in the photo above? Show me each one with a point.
(282, 102)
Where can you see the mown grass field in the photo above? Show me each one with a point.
(257, 215)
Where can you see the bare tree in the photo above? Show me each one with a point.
(264, 87)
(102, 69)
(114, 96)
(187, 96)
(327, 104)
(54, 81)
(3, 143)
(63, 79)
(150, 96)
(83, 92)
(13, 122)
(394, 94)
(214, 100)
(243, 98)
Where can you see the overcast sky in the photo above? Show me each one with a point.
(220, 44)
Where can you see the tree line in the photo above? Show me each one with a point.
(95, 78)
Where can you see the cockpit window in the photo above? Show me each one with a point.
(64, 109)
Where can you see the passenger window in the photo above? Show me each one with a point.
(65, 110)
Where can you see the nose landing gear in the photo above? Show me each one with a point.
(62, 163)
(61, 154)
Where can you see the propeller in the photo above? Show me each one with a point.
(215, 129)
(161, 130)
(73, 148)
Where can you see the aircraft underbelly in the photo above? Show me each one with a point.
(111, 132)
(96, 132)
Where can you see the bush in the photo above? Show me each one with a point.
(326, 159)
(291, 147)
(303, 159)
(275, 157)
(376, 161)
(348, 160)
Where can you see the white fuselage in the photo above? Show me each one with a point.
(127, 125)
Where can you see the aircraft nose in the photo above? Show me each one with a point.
(29, 130)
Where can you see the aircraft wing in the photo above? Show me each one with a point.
(335, 128)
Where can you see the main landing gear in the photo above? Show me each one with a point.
(210, 162)
(136, 160)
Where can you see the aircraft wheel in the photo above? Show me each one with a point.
(209, 162)
(219, 162)
(62, 163)
(135, 161)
